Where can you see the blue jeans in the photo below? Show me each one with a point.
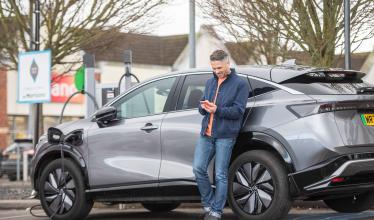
(206, 148)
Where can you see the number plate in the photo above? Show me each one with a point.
(368, 119)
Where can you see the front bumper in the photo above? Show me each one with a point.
(347, 174)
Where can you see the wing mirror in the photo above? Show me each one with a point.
(105, 115)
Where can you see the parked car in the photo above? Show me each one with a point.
(1, 159)
(9, 161)
(307, 134)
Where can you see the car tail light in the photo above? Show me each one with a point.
(338, 180)
(303, 110)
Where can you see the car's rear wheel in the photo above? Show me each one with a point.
(258, 186)
(161, 207)
(351, 204)
(62, 194)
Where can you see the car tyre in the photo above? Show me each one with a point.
(63, 200)
(161, 207)
(258, 187)
(351, 204)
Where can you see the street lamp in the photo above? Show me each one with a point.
(347, 32)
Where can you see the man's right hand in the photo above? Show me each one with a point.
(205, 105)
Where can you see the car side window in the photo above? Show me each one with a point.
(192, 90)
(260, 87)
(147, 100)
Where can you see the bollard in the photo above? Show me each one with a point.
(18, 163)
(25, 166)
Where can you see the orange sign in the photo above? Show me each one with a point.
(63, 87)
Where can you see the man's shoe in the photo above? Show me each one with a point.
(211, 217)
(205, 215)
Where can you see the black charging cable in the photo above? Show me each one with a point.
(126, 74)
(74, 94)
(62, 180)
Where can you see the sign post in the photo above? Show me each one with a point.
(34, 77)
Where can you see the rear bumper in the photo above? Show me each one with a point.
(347, 174)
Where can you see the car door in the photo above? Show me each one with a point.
(128, 151)
(180, 131)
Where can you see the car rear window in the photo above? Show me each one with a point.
(328, 83)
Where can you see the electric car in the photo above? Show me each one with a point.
(307, 134)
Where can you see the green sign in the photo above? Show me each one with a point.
(79, 78)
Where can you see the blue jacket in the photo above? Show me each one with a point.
(231, 101)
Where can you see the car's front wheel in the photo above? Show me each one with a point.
(351, 204)
(161, 207)
(62, 194)
(258, 186)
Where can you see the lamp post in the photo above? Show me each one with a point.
(192, 36)
(347, 32)
(36, 109)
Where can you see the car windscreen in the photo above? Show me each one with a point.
(330, 83)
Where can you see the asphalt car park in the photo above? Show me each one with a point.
(189, 214)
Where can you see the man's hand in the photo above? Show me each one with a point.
(208, 106)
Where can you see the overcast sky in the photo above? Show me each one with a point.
(176, 21)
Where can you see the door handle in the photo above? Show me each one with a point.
(149, 127)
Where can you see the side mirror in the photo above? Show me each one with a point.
(106, 114)
(55, 135)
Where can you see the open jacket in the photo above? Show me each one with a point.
(231, 101)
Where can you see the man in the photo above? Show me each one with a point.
(223, 105)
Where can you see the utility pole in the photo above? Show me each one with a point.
(35, 42)
(89, 82)
(347, 34)
(192, 35)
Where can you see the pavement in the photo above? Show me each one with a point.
(187, 214)
(15, 205)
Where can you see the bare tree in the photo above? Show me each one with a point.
(315, 26)
(69, 25)
(259, 40)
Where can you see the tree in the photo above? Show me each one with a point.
(68, 25)
(315, 26)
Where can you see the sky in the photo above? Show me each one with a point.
(175, 19)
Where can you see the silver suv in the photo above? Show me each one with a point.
(307, 134)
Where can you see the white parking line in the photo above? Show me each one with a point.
(19, 216)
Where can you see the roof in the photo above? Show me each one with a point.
(239, 52)
(146, 49)
(357, 59)
(156, 50)
(164, 50)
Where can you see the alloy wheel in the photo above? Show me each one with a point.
(253, 188)
(59, 191)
